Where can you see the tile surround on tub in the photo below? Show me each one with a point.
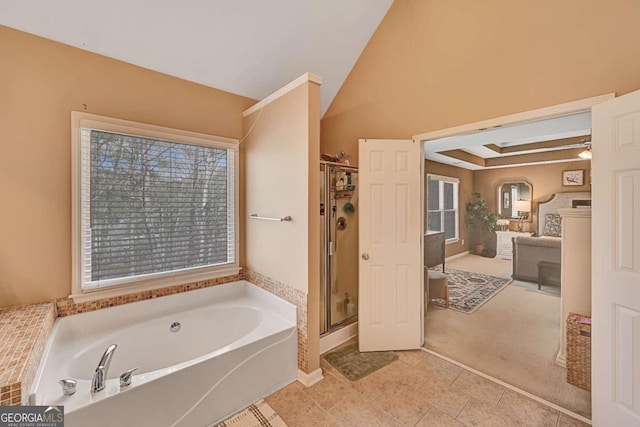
(25, 329)
(67, 307)
(294, 296)
(23, 336)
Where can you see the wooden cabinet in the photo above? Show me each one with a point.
(504, 245)
(434, 249)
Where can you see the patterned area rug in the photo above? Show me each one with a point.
(468, 291)
(355, 365)
(260, 414)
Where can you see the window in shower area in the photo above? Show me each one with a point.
(442, 205)
(151, 204)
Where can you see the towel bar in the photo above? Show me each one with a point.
(255, 216)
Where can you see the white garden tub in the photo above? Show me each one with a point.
(237, 343)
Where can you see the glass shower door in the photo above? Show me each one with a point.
(340, 272)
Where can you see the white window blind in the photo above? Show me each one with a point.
(442, 205)
(153, 207)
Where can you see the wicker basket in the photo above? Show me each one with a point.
(579, 350)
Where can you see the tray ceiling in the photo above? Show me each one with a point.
(553, 140)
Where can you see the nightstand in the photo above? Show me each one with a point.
(504, 245)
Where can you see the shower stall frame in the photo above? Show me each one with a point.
(326, 326)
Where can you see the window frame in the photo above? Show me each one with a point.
(80, 120)
(456, 203)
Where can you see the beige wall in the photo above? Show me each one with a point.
(465, 190)
(276, 172)
(436, 64)
(280, 168)
(41, 82)
(545, 179)
(576, 267)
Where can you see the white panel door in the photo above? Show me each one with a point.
(390, 245)
(616, 262)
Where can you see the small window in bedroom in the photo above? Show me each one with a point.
(442, 205)
(152, 206)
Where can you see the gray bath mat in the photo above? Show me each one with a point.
(355, 365)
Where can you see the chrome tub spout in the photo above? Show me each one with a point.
(100, 375)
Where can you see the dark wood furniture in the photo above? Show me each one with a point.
(434, 249)
(548, 273)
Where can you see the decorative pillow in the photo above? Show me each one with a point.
(552, 225)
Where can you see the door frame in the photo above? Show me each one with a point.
(582, 105)
(572, 107)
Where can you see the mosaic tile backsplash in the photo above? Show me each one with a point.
(67, 307)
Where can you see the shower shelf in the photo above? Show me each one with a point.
(350, 187)
(340, 195)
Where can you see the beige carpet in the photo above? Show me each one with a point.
(514, 337)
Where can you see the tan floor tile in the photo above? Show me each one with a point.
(355, 410)
(567, 421)
(443, 396)
(308, 414)
(402, 374)
(395, 378)
(411, 357)
(329, 391)
(528, 411)
(481, 388)
(428, 390)
(437, 369)
(287, 400)
(479, 414)
(405, 406)
(437, 418)
(392, 422)
(288, 392)
(371, 385)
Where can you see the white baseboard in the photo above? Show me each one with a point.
(560, 359)
(336, 338)
(310, 379)
(460, 255)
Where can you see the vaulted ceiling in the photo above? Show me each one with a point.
(254, 47)
(247, 47)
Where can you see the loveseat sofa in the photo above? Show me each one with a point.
(529, 251)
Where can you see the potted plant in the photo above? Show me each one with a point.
(480, 221)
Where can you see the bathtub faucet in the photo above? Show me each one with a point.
(100, 375)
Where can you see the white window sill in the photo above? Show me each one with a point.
(152, 284)
(450, 241)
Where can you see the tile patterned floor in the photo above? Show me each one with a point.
(419, 389)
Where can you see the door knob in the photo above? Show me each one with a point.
(365, 256)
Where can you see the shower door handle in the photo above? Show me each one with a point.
(365, 256)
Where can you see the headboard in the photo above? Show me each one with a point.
(558, 201)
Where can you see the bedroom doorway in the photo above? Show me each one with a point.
(526, 325)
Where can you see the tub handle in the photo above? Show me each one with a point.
(68, 386)
(125, 378)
